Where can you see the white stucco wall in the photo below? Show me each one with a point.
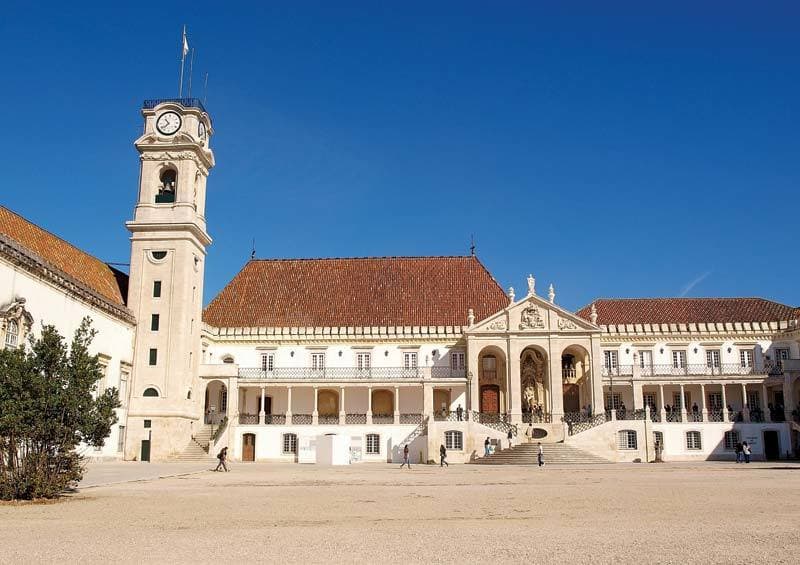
(49, 304)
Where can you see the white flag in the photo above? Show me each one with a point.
(185, 43)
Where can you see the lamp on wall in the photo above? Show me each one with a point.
(661, 350)
(730, 349)
(627, 350)
(291, 354)
(695, 350)
(386, 353)
(340, 353)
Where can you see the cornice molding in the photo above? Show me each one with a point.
(38, 267)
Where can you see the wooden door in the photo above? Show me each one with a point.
(490, 399)
(145, 454)
(772, 450)
(249, 447)
(572, 402)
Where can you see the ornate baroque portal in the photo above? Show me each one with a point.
(532, 377)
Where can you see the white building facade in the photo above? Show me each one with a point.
(387, 352)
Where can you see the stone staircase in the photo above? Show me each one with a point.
(554, 454)
(196, 449)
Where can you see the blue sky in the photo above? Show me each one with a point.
(614, 149)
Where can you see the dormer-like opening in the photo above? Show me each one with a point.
(168, 186)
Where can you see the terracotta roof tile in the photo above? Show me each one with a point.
(374, 291)
(84, 268)
(687, 310)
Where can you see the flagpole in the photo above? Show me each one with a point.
(183, 60)
(191, 66)
(205, 89)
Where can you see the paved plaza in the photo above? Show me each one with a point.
(669, 513)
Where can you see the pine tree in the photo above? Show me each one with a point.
(49, 405)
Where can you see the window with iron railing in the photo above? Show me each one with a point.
(363, 361)
(267, 362)
(713, 358)
(746, 358)
(457, 360)
(318, 361)
(410, 360)
(610, 360)
(679, 359)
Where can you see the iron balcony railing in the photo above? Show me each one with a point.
(725, 369)
(348, 373)
(185, 102)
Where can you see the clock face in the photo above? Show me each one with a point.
(168, 123)
(201, 130)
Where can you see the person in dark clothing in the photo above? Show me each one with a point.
(737, 449)
(510, 438)
(486, 446)
(223, 457)
(443, 456)
(460, 413)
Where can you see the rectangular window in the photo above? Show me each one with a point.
(679, 359)
(626, 439)
(154, 321)
(715, 401)
(121, 439)
(454, 440)
(731, 439)
(712, 358)
(318, 361)
(658, 440)
(156, 289)
(645, 359)
(267, 362)
(148, 423)
(753, 399)
(693, 442)
(746, 358)
(610, 360)
(373, 444)
(457, 361)
(363, 361)
(612, 401)
(289, 443)
(649, 400)
(153, 356)
(410, 360)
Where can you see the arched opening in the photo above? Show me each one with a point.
(492, 399)
(328, 403)
(382, 403)
(168, 184)
(12, 334)
(150, 392)
(576, 381)
(533, 385)
(216, 402)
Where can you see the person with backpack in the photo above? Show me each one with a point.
(223, 457)
(443, 456)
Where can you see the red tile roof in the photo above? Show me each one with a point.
(686, 310)
(87, 270)
(373, 291)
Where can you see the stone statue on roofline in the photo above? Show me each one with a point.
(531, 285)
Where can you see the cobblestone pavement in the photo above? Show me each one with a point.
(668, 513)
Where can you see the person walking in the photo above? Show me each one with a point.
(737, 449)
(223, 457)
(460, 413)
(510, 438)
(486, 447)
(443, 456)
(540, 455)
(406, 461)
(746, 452)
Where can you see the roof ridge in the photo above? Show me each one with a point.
(361, 258)
(58, 237)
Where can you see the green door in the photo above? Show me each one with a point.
(145, 450)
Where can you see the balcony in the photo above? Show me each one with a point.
(725, 370)
(185, 102)
(349, 373)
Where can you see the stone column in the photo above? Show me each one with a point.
(725, 416)
(703, 410)
(683, 405)
(261, 412)
(473, 376)
(556, 388)
(514, 385)
(764, 403)
(745, 407)
(788, 401)
(233, 401)
(289, 404)
(342, 413)
(369, 405)
(397, 405)
(315, 413)
(662, 411)
(427, 401)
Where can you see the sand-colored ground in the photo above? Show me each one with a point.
(671, 513)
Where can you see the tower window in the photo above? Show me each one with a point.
(154, 321)
(156, 289)
(153, 356)
(12, 334)
(166, 190)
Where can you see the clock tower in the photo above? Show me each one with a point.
(168, 251)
